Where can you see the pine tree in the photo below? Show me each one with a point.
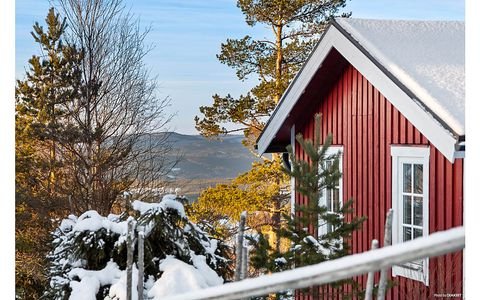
(312, 177)
(52, 82)
(273, 60)
(296, 27)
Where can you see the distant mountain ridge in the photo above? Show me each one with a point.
(203, 158)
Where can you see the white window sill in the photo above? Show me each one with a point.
(410, 273)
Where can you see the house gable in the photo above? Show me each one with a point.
(337, 41)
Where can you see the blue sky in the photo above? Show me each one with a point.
(186, 35)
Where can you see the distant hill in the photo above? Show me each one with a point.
(208, 159)
(204, 162)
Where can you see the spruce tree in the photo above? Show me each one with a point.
(89, 245)
(308, 246)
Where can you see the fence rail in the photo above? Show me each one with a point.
(346, 267)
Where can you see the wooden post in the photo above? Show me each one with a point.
(382, 285)
(244, 269)
(370, 279)
(140, 263)
(241, 229)
(130, 234)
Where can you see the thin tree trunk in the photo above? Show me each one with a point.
(278, 63)
(276, 221)
(51, 175)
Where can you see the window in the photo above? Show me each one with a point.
(410, 204)
(331, 198)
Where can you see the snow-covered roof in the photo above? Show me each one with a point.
(428, 57)
(419, 66)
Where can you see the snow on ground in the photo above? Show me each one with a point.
(118, 290)
(179, 277)
(428, 57)
(91, 281)
(211, 277)
(87, 288)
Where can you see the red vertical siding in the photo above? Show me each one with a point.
(366, 124)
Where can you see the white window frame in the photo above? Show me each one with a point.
(332, 150)
(411, 155)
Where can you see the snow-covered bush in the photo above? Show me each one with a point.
(89, 255)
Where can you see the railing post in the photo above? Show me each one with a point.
(244, 269)
(239, 255)
(370, 278)
(382, 285)
(140, 263)
(130, 236)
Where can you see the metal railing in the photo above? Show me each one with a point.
(346, 267)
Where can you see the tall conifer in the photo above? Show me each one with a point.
(313, 177)
(51, 83)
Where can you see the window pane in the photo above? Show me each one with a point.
(418, 211)
(336, 200)
(418, 179)
(407, 178)
(407, 209)
(407, 234)
(417, 233)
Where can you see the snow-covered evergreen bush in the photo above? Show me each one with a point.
(89, 255)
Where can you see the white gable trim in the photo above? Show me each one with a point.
(440, 137)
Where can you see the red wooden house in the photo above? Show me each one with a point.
(392, 95)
